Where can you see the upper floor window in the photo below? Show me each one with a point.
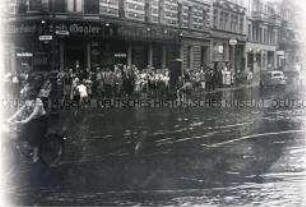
(75, 5)
(180, 13)
(216, 15)
(23, 6)
(122, 8)
(241, 24)
(91, 6)
(190, 17)
(58, 5)
(34, 5)
(249, 32)
(147, 11)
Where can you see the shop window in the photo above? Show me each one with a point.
(189, 54)
(204, 55)
(75, 5)
(91, 6)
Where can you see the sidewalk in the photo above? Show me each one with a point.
(233, 88)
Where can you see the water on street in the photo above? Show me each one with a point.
(194, 156)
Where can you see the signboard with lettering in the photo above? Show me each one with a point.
(45, 38)
(20, 29)
(24, 54)
(78, 29)
(233, 41)
(62, 32)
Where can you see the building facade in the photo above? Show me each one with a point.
(263, 24)
(195, 26)
(229, 34)
(91, 33)
(290, 35)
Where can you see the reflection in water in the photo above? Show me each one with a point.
(162, 155)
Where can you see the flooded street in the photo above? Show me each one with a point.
(201, 156)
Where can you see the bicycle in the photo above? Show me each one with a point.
(17, 151)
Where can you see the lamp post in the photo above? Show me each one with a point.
(233, 42)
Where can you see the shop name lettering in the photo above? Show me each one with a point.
(79, 29)
(72, 29)
(22, 29)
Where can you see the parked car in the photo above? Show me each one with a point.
(273, 78)
(292, 75)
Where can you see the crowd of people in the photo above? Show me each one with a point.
(81, 85)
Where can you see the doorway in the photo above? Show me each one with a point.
(75, 53)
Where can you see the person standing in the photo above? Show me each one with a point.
(82, 92)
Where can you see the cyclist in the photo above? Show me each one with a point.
(31, 118)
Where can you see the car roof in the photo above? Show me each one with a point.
(274, 72)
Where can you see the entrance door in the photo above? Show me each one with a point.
(75, 54)
(204, 56)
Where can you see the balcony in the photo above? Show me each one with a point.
(259, 16)
(273, 19)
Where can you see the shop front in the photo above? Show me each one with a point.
(150, 46)
(27, 49)
(224, 52)
(54, 44)
(88, 45)
(261, 57)
(195, 53)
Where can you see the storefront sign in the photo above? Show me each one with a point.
(120, 55)
(24, 54)
(280, 53)
(20, 28)
(233, 42)
(79, 29)
(62, 32)
(45, 38)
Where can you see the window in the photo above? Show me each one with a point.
(190, 17)
(179, 13)
(226, 21)
(241, 24)
(189, 54)
(59, 6)
(75, 5)
(254, 33)
(205, 17)
(24, 6)
(91, 6)
(250, 32)
(215, 18)
(34, 5)
(147, 11)
(122, 8)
